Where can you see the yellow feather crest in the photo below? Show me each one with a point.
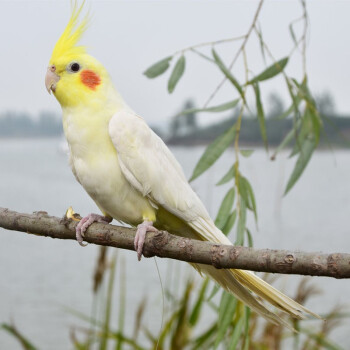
(66, 44)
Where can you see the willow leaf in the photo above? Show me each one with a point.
(271, 71)
(250, 238)
(286, 140)
(15, 333)
(194, 317)
(236, 334)
(292, 34)
(241, 223)
(306, 151)
(176, 74)
(158, 68)
(227, 308)
(214, 291)
(261, 114)
(213, 152)
(228, 74)
(290, 109)
(229, 223)
(326, 343)
(228, 176)
(246, 325)
(219, 108)
(225, 209)
(246, 152)
(202, 339)
(250, 199)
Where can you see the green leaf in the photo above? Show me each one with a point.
(108, 306)
(261, 114)
(122, 304)
(316, 123)
(241, 223)
(228, 176)
(290, 109)
(227, 309)
(304, 91)
(300, 136)
(248, 195)
(292, 34)
(176, 74)
(219, 108)
(229, 223)
(236, 334)
(213, 152)
(228, 74)
(246, 326)
(225, 209)
(216, 288)
(246, 152)
(306, 129)
(295, 100)
(271, 71)
(158, 68)
(250, 238)
(306, 151)
(288, 138)
(194, 317)
(202, 339)
(326, 343)
(261, 41)
(15, 333)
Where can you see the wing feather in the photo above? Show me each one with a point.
(151, 168)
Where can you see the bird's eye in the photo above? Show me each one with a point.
(74, 67)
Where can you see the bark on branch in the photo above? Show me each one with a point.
(164, 244)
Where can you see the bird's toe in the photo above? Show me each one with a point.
(139, 241)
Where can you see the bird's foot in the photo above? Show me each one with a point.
(142, 229)
(84, 224)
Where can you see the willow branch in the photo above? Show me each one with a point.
(166, 245)
(240, 50)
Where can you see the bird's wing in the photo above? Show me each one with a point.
(151, 168)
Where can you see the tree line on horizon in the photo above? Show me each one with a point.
(186, 130)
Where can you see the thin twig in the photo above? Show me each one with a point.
(208, 43)
(246, 37)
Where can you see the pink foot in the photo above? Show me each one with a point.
(142, 229)
(84, 224)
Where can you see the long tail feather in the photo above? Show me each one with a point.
(226, 279)
(243, 283)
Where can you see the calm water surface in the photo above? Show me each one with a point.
(41, 276)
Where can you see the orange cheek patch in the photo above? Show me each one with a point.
(90, 79)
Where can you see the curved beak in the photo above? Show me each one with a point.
(51, 79)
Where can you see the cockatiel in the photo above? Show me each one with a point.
(130, 173)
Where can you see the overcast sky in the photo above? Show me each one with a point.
(128, 36)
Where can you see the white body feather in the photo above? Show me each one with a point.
(129, 172)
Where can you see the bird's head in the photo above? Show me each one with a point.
(73, 76)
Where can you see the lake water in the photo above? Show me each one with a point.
(39, 276)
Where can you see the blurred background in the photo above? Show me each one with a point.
(42, 277)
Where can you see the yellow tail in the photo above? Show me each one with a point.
(243, 283)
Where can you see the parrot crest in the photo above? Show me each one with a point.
(73, 75)
(66, 46)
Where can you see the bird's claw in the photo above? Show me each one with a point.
(139, 241)
(84, 224)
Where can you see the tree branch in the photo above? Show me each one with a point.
(164, 244)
